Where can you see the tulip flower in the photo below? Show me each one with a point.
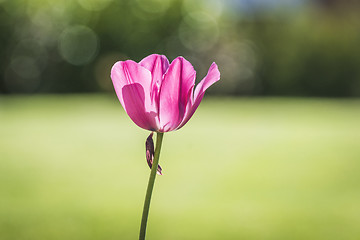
(159, 96)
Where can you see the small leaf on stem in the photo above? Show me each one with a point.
(150, 150)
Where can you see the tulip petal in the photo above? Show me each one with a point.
(177, 82)
(132, 85)
(157, 65)
(212, 76)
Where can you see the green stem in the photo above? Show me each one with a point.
(159, 138)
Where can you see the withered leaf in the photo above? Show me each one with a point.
(150, 151)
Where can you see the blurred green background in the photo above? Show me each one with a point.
(280, 162)
(263, 47)
(74, 168)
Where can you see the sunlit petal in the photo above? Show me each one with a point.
(177, 82)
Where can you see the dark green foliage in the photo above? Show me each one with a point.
(300, 52)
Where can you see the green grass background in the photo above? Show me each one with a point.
(74, 167)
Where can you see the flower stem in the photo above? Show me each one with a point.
(159, 138)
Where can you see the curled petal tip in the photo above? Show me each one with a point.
(159, 171)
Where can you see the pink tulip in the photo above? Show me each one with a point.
(159, 96)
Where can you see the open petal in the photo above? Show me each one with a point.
(177, 82)
(157, 65)
(212, 76)
(132, 85)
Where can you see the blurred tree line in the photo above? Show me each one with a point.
(299, 48)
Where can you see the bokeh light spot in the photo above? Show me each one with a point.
(78, 45)
(198, 32)
(25, 67)
(32, 49)
(213, 7)
(153, 6)
(94, 5)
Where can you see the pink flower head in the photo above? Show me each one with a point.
(159, 96)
